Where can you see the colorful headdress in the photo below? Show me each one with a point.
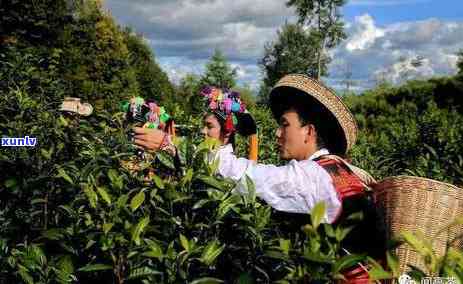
(146, 112)
(225, 103)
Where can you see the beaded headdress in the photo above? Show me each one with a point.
(225, 104)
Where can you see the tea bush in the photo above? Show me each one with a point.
(71, 213)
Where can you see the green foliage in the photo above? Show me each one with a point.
(78, 216)
(152, 81)
(79, 49)
(412, 129)
(219, 73)
(187, 95)
(325, 26)
(292, 52)
(448, 264)
(460, 63)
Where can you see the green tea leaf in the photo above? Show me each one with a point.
(166, 159)
(200, 203)
(184, 242)
(158, 181)
(341, 233)
(377, 272)
(419, 245)
(53, 234)
(142, 272)
(251, 189)
(139, 228)
(347, 261)
(317, 214)
(155, 251)
(137, 201)
(207, 280)
(95, 267)
(25, 275)
(9, 183)
(117, 181)
(285, 245)
(211, 252)
(107, 227)
(65, 264)
(212, 181)
(91, 195)
(122, 200)
(393, 264)
(188, 176)
(62, 173)
(104, 194)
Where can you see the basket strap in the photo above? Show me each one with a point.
(366, 179)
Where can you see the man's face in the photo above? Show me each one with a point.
(294, 141)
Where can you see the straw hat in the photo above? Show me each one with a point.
(74, 105)
(338, 124)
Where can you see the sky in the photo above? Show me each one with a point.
(386, 38)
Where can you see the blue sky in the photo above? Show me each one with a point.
(385, 36)
(388, 12)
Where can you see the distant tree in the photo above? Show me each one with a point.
(219, 72)
(460, 63)
(152, 80)
(263, 94)
(187, 94)
(292, 52)
(247, 95)
(325, 24)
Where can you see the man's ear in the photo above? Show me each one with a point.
(310, 132)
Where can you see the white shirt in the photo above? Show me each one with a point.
(296, 187)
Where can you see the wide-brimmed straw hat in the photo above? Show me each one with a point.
(337, 124)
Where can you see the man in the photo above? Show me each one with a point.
(315, 128)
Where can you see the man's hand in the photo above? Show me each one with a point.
(148, 138)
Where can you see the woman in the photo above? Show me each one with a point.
(225, 115)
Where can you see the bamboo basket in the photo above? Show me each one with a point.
(417, 204)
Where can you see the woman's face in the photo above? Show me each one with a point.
(212, 128)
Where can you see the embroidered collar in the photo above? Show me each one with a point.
(318, 154)
(229, 149)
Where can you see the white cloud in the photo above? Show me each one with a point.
(184, 34)
(364, 33)
(406, 70)
(387, 52)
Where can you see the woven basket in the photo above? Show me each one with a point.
(418, 204)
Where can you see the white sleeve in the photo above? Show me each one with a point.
(295, 187)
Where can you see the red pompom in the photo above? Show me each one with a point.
(229, 124)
